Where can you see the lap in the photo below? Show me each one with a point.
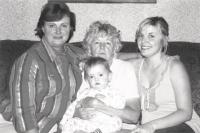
(126, 128)
(6, 126)
(182, 128)
(124, 131)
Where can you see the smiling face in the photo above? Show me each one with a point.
(103, 47)
(98, 76)
(56, 33)
(150, 40)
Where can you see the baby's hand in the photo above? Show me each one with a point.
(78, 105)
(86, 113)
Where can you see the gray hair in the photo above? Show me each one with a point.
(101, 28)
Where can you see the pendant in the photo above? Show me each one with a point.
(149, 101)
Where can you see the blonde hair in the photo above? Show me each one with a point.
(155, 21)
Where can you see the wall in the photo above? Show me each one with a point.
(20, 18)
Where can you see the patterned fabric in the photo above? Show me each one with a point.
(102, 121)
(6, 108)
(147, 92)
(40, 88)
(126, 86)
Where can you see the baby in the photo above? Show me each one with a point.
(97, 74)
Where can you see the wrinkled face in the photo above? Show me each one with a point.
(150, 41)
(103, 47)
(56, 33)
(98, 77)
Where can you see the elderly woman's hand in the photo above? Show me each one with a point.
(88, 107)
(91, 102)
(84, 113)
(145, 128)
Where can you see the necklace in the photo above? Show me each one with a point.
(147, 91)
(154, 67)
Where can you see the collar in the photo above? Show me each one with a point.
(50, 51)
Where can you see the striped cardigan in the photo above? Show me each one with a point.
(42, 87)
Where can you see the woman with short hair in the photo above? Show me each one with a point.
(46, 77)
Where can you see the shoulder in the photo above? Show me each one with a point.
(136, 62)
(121, 67)
(175, 64)
(177, 69)
(76, 48)
(125, 65)
(26, 62)
(120, 63)
(32, 54)
(75, 51)
(34, 49)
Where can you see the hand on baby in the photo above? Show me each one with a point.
(145, 128)
(86, 110)
(91, 102)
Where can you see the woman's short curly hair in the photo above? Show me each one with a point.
(54, 11)
(102, 28)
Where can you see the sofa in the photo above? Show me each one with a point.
(188, 52)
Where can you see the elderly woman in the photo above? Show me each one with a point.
(103, 40)
(45, 78)
(163, 83)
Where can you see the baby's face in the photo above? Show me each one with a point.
(98, 77)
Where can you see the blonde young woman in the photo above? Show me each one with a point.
(164, 84)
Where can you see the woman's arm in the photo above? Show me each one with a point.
(129, 114)
(181, 84)
(22, 83)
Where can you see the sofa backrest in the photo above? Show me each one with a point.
(9, 51)
(188, 52)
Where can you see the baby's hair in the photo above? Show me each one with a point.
(92, 61)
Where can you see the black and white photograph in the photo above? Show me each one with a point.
(100, 66)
